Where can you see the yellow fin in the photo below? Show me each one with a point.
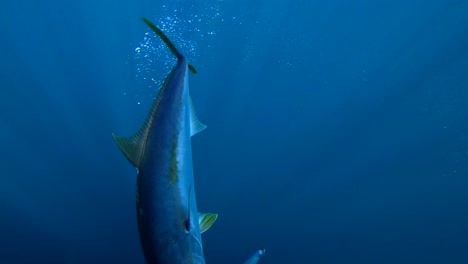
(168, 43)
(206, 221)
(134, 147)
(131, 147)
(195, 125)
(192, 69)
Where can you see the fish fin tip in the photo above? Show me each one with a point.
(192, 69)
(206, 221)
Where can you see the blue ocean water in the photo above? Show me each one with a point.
(336, 132)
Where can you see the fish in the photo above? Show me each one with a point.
(169, 223)
(256, 256)
(167, 214)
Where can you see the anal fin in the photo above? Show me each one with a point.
(195, 125)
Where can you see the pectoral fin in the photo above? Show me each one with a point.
(206, 221)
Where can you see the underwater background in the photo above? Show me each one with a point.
(337, 130)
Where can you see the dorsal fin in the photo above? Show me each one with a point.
(132, 147)
(168, 43)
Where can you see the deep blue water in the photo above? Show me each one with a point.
(337, 130)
